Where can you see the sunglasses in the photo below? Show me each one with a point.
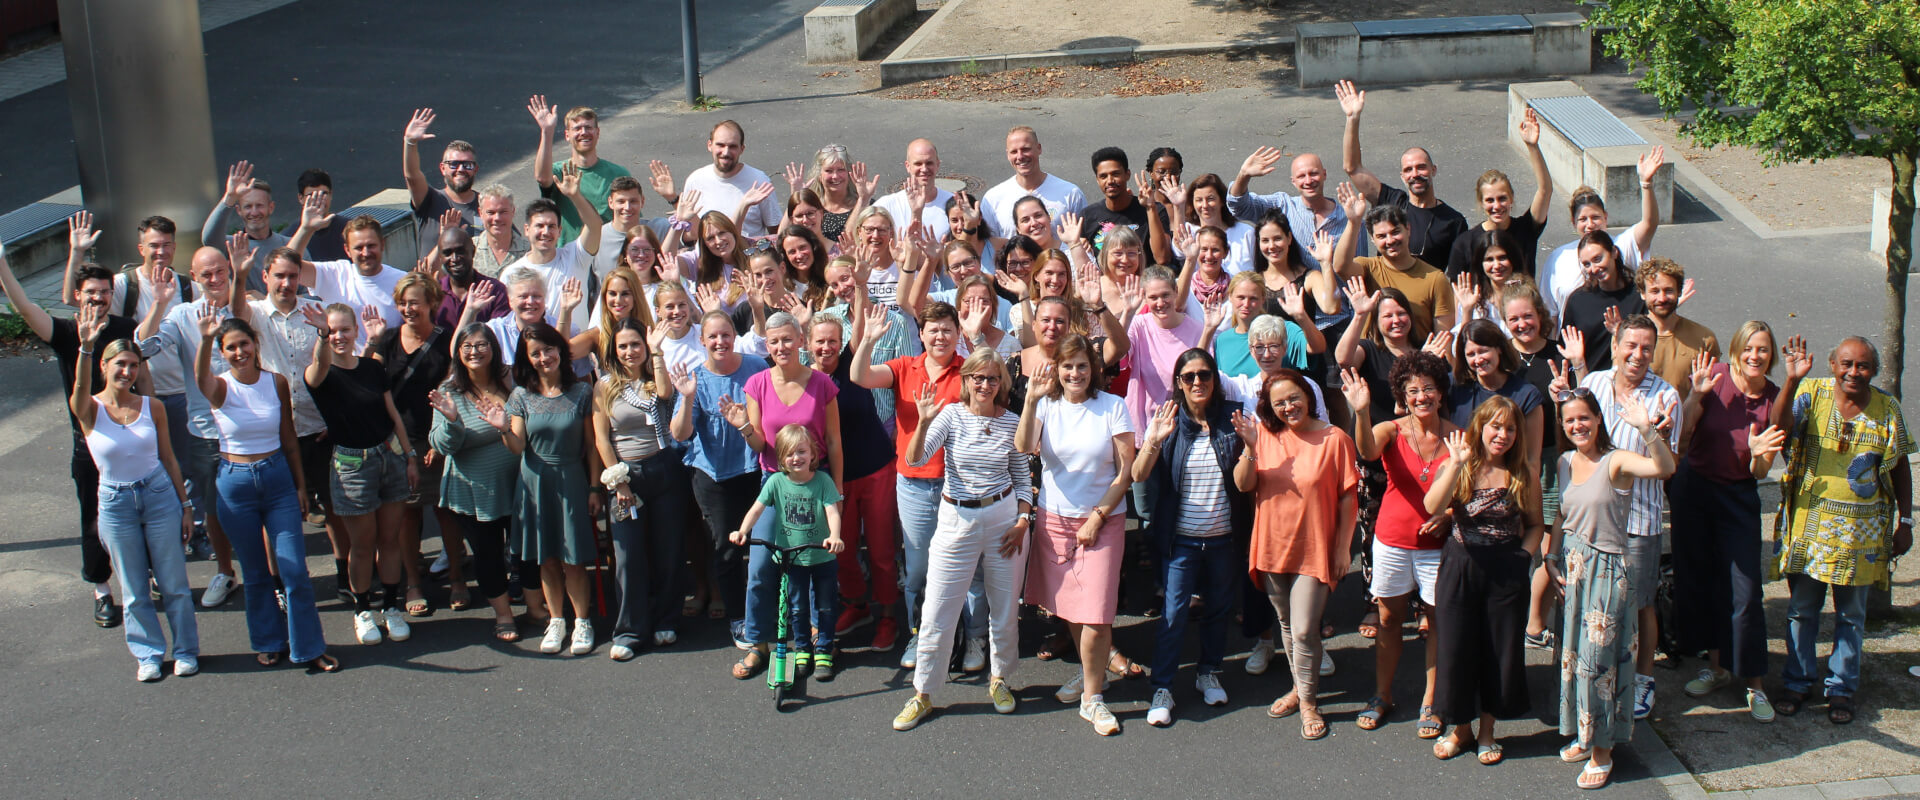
(1196, 376)
(763, 246)
(1569, 394)
(461, 166)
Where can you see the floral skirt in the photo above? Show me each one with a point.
(1601, 639)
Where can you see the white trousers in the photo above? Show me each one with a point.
(965, 540)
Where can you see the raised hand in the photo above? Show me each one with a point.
(1245, 425)
(1633, 411)
(316, 317)
(1160, 426)
(208, 321)
(240, 256)
(683, 381)
(974, 314)
(918, 195)
(1686, 293)
(1042, 383)
(1798, 360)
(1069, 226)
(417, 127)
(164, 282)
(1363, 301)
(708, 299)
(1466, 294)
(80, 233)
(864, 185)
(543, 114)
(1530, 128)
(1143, 188)
(239, 182)
(88, 323)
(929, 403)
(313, 212)
(1260, 162)
(1293, 302)
(756, 193)
(656, 336)
(1650, 163)
(796, 177)
(1355, 389)
(442, 402)
(1765, 444)
(1005, 279)
(1611, 319)
(734, 413)
(1352, 200)
(660, 176)
(1561, 384)
(792, 304)
(1573, 346)
(1322, 249)
(571, 293)
(687, 208)
(1130, 292)
(479, 298)
(667, 267)
(878, 321)
(451, 219)
(493, 412)
(1702, 375)
(1351, 102)
(1183, 240)
(569, 183)
(374, 323)
(1174, 191)
(1439, 343)
(1458, 446)
(1214, 313)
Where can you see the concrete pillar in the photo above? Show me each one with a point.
(142, 128)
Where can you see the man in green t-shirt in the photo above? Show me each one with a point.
(583, 133)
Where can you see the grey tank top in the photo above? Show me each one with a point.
(632, 415)
(1594, 511)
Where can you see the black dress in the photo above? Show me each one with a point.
(1480, 612)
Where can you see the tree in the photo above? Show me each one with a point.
(1800, 80)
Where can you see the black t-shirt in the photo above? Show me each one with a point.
(411, 377)
(1586, 310)
(1430, 231)
(330, 243)
(353, 404)
(1096, 215)
(1537, 369)
(1524, 228)
(66, 350)
(428, 214)
(865, 445)
(1379, 362)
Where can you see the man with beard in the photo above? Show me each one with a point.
(453, 259)
(1681, 339)
(1432, 225)
(359, 281)
(728, 184)
(596, 174)
(93, 286)
(1310, 213)
(252, 200)
(458, 166)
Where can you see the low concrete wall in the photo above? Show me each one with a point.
(1612, 171)
(1545, 44)
(840, 30)
(894, 71)
(1880, 237)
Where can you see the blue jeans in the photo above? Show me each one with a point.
(140, 527)
(257, 496)
(1809, 596)
(1210, 568)
(919, 502)
(813, 596)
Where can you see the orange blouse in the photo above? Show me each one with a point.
(1301, 480)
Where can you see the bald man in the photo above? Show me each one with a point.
(1309, 213)
(1023, 154)
(177, 331)
(923, 163)
(1432, 225)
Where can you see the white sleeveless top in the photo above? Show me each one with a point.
(124, 453)
(249, 420)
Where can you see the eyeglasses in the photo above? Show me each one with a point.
(978, 379)
(475, 347)
(1569, 394)
(1196, 376)
(1260, 349)
(461, 166)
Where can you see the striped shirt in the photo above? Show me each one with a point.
(1203, 494)
(1649, 495)
(981, 461)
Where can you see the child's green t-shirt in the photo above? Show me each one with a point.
(800, 513)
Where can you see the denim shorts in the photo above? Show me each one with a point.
(366, 479)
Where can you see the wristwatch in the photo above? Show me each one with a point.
(1907, 521)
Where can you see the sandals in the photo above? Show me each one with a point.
(418, 606)
(506, 631)
(1370, 624)
(1312, 725)
(459, 599)
(1448, 748)
(1788, 702)
(1839, 709)
(1119, 667)
(324, 664)
(1287, 706)
(716, 609)
(750, 664)
(269, 660)
(1573, 753)
(1429, 724)
(1375, 714)
(1595, 776)
(1055, 646)
(1491, 754)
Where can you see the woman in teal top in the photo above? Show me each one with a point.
(1247, 299)
(477, 485)
(548, 413)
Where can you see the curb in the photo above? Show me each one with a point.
(894, 71)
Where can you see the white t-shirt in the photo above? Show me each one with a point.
(1241, 241)
(569, 261)
(933, 217)
(341, 282)
(1563, 274)
(724, 195)
(608, 259)
(1076, 449)
(685, 352)
(996, 206)
(883, 286)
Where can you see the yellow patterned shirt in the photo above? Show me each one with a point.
(1837, 509)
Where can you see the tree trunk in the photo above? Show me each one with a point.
(1893, 341)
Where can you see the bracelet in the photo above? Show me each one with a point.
(1101, 310)
(909, 271)
(85, 352)
(681, 225)
(1646, 184)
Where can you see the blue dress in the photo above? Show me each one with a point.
(550, 509)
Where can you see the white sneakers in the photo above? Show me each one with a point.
(556, 637)
(582, 636)
(218, 590)
(664, 638)
(911, 658)
(1326, 663)
(620, 652)
(364, 628)
(1261, 657)
(1642, 696)
(1160, 715)
(976, 657)
(1070, 691)
(147, 673)
(396, 622)
(1210, 691)
(1095, 711)
(185, 669)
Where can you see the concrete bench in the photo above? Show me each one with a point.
(840, 30)
(36, 236)
(1586, 145)
(1443, 49)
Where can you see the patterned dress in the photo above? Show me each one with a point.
(1602, 632)
(1836, 517)
(550, 520)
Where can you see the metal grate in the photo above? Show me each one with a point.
(1444, 26)
(21, 223)
(385, 215)
(1584, 122)
(845, 2)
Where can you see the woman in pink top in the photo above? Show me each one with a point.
(1156, 337)
(791, 393)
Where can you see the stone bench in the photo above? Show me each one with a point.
(1585, 144)
(36, 236)
(1443, 49)
(840, 30)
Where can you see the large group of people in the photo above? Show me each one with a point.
(929, 408)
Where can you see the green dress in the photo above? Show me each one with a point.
(550, 516)
(479, 476)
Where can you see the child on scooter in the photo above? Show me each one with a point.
(806, 509)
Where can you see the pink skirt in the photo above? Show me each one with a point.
(1078, 584)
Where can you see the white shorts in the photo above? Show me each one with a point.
(1398, 571)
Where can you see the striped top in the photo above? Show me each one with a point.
(1649, 495)
(1203, 495)
(481, 473)
(981, 459)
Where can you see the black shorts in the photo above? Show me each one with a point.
(316, 464)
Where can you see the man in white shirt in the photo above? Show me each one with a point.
(554, 263)
(1023, 154)
(359, 281)
(724, 184)
(923, 163)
